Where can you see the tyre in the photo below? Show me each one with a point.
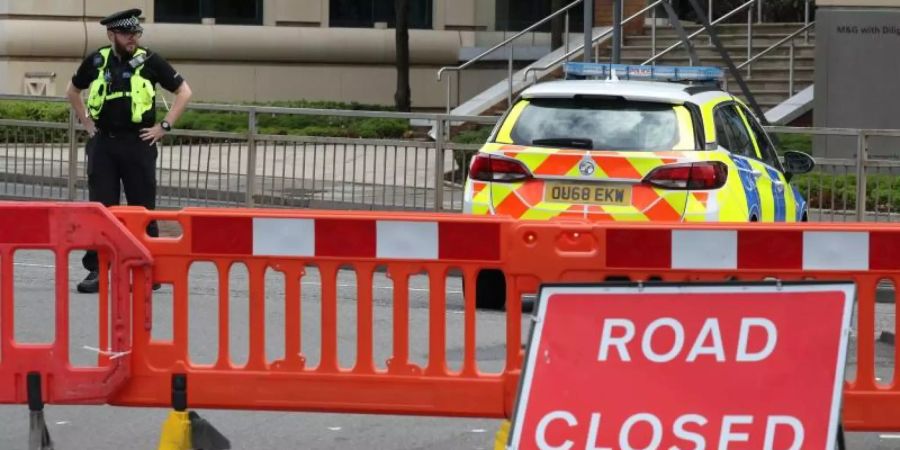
(490, 289)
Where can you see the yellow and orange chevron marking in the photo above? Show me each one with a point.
(525, 200)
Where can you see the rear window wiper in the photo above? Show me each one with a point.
(565, 142)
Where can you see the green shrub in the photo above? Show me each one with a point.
(477, 136)
(222, 121)
(34, 110)
(829, 191)
(381, 128)
(796, 142)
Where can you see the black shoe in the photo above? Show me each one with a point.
(90, 284)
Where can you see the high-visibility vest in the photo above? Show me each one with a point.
(142, 93)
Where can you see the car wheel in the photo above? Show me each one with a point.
(490, 289)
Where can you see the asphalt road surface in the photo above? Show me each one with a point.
(104, 427)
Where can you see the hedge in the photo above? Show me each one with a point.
(280, 124)
(882, 191)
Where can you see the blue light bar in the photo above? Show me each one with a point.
(647, 73)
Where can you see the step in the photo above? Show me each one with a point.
(758, 44)
(703, 43)
(736, 52)
(775, 73)
(764, 64)
(780, 85)
(768, 99)
(733, 28)
(769, 86)
(767, 93)
(775, 62)
(740, 48)
(766, 38)
(770, 76)
(741, 34)
(733, 47)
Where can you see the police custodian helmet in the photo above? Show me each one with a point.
(127, 21)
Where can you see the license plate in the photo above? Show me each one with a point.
(592, 194)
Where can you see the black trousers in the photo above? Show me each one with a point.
(116, 161)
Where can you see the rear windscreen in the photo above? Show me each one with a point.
(609, 124)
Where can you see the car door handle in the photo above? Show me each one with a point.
(756, 173)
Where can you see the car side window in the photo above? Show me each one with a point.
(722, 133)
(739, 143)
(766, 149)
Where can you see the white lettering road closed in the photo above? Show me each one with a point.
(690, 366)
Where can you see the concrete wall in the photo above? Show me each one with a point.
(293, 55)
(270, 82)
(448, 14)
(857, 66)
(269, 62)
(458, 14)
(294, 13)
(233, 43)
(71, 8)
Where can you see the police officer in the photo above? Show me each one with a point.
(121, 120)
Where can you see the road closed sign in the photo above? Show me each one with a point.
(736, 366)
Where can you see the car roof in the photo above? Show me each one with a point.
(651, 91)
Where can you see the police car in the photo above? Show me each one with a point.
(635, 143)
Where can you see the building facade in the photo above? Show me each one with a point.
(265, 50)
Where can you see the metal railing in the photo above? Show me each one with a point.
(45, 160)
(788, 39)
(858, 188)
(508, 42)
(807, 25)
(568, 54)
(654, 56)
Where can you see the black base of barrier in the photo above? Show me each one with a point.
(38, 434)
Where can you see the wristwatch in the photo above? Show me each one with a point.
(166, 126)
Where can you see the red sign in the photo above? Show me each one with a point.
(685, 367)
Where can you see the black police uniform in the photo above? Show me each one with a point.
(117, 156)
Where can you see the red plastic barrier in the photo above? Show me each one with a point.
(61, 228)
(529, 253)
(288, 241)
(864, 253)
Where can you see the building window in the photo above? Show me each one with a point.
(227, 12)
(366, 13)
(517, 15)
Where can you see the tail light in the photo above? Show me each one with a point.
(693, 176)
(494, 168)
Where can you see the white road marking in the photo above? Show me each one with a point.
(42, 266)
(390, 288)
